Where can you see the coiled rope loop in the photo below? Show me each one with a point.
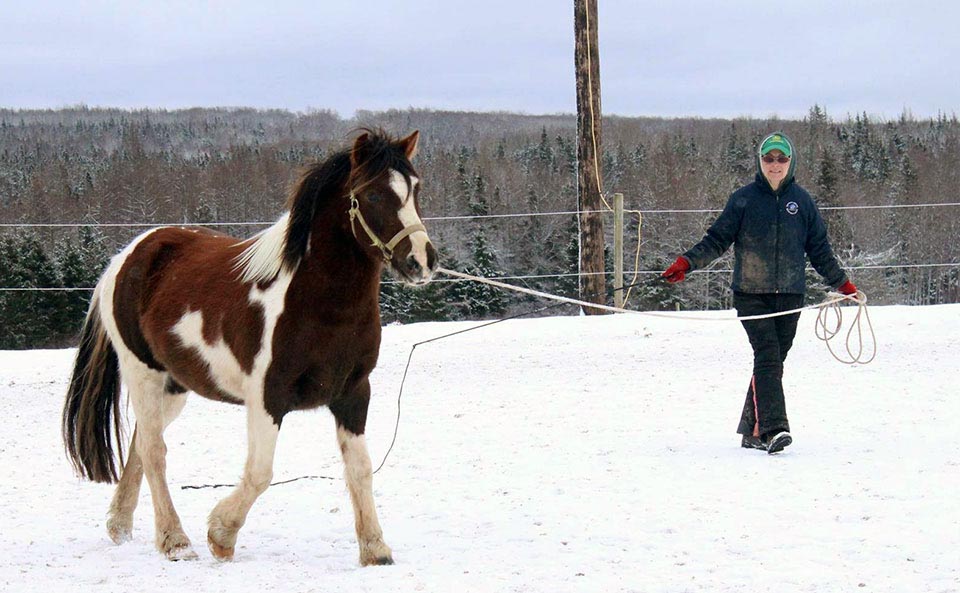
(826, 333)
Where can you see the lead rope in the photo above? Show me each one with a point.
(823, 331)
(831, 304)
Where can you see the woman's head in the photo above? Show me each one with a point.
(776, 159)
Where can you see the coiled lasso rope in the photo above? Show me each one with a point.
(825, 332)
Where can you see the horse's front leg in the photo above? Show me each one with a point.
(350, 413)
(229, 515)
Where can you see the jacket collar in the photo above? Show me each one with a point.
(764, 185)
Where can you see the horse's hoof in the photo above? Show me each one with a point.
(119, 533)
(176, 546)
(376, 561)
(219, 552)
(220, 539)
(181, 553)
(376, 554)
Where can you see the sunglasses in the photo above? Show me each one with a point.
(778, 159)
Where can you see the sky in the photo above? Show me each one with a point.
(681, 58)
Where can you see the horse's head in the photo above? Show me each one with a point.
(383, 189)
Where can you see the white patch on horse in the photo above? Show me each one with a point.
(231, 512)
(225, 370)
(359, 476)
(408, 216)
(272, 300)
(263, 258)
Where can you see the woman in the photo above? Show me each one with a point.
(773, 225)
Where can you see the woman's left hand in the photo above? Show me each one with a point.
(848, 288)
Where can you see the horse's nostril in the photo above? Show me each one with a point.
(412, 264)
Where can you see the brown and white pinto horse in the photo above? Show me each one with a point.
(286, 320)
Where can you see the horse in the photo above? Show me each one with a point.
(285, 320)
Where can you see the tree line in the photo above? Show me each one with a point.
(98, 166)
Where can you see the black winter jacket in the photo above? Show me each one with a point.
(772, 233)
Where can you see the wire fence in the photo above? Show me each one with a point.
(549, 276)
(448, 218)
(627, 273)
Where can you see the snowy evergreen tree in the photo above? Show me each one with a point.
(478, 196)
(569, 284)
(408, 304)
(79, 265)
(737, 156)
(31, 318)
(544, 151)
(652, 293)
(481, 301)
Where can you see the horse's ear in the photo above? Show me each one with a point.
(359, 146)
(410, 144)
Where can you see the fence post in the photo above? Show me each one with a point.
(618, 250)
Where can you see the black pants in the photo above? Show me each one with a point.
(765, 410)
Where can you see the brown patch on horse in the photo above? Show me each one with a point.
(151, 298)
(145, 262)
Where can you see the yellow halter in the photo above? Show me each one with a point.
(385, 248)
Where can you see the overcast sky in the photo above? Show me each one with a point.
(706, 58)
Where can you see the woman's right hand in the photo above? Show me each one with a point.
(677, 271)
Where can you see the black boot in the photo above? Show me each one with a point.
(776, 441)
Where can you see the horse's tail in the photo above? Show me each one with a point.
(91, 413)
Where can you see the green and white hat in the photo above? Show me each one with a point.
(775, 141)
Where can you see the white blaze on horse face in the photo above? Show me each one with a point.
(408, 216)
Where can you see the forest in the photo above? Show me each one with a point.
(499, 198)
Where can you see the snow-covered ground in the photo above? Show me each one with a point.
(560, 454)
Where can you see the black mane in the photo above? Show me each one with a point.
(375, 154)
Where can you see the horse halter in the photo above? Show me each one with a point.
(385, 248)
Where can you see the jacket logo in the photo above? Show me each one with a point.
(792, 208)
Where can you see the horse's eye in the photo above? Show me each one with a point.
(374, 198)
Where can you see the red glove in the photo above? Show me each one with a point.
(677, 271)
(848, 288)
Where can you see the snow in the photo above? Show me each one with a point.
(556, 454)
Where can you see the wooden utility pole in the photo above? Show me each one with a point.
(589, 203)
(618, 250)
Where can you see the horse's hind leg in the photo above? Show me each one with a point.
(153, 407)
(229, 515)
(351, 416)
(127, 494)
(120, 521)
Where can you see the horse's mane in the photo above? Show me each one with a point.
(283, 245)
